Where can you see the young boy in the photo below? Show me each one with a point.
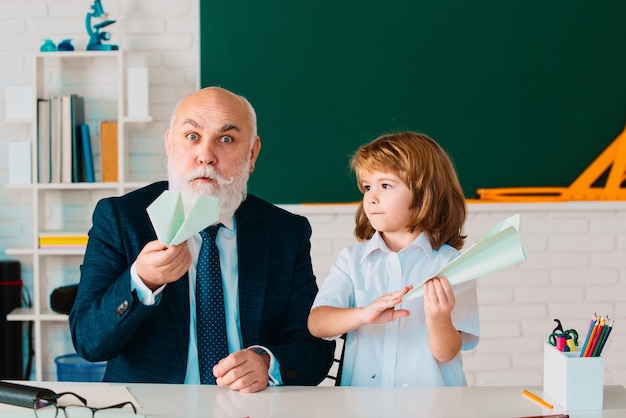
(409, 225)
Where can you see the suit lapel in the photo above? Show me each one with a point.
(178, 295)
(253, 258)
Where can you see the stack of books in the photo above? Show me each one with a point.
(62, 239)
(64, 143)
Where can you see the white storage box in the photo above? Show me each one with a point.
(574, 382)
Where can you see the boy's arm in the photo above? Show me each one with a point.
(444, 339)
(329, 321)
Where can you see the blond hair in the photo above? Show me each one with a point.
(438, 202)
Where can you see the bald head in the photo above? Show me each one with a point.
(212, 147)
(211, 97)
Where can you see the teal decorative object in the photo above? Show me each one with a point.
(47, 46)
(65, 45)
(95, 36)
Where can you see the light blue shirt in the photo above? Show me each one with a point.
(396, 353)
(226, 241)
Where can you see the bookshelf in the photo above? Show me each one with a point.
(99, 77)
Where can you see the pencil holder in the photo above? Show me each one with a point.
(574, 382)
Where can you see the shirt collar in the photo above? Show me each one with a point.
(376, 243)
(229, 223)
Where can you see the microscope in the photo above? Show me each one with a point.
(95, 35)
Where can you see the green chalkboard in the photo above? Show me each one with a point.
(520, 93)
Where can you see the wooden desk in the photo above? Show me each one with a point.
(174, 401)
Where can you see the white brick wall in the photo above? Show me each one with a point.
(576, 252)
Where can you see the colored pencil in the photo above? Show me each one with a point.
(596, 348)
(606, 336)
(591, 337)
(596, 336)
(593, 320)
(537, 399)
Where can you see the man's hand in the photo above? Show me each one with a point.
(157, 264)
(244, 370)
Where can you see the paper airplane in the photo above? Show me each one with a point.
(499, 249)
(168, 217)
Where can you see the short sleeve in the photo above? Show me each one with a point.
(465, 314)
(337, 289)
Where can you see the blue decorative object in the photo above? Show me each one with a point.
(95, 36)
(47, 46)
(65, 45)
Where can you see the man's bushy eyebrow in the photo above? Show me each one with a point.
(225, 128)
(230, 127)
(191, 122)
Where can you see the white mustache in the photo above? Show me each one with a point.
(210, 173)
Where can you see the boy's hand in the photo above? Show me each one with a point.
(438, 300)
(444, 340)
(383, 310)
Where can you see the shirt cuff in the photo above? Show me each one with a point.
(144, 294)
(274, 369)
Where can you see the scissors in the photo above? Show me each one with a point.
(563, 340)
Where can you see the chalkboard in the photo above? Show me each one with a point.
(520, 93)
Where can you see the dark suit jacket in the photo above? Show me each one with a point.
(150, 343)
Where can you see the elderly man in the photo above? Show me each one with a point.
(138, 306)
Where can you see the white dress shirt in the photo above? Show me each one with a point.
(396, 353)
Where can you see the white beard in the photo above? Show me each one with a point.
(230, 192)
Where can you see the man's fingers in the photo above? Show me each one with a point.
(242, 370)
(226, 364)
(246, 382)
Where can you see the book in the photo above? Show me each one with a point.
(55, 139)
(108, 150)
(62, 238)
(62, 241)
(66, 139)
(76, 120)
(43, 140)
(72, 116)
(87, 153)
(54, 233)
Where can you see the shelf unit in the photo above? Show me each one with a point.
(99, 77)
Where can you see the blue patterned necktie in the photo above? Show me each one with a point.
(210, 313)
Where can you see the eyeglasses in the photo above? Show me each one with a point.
(49, 408)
